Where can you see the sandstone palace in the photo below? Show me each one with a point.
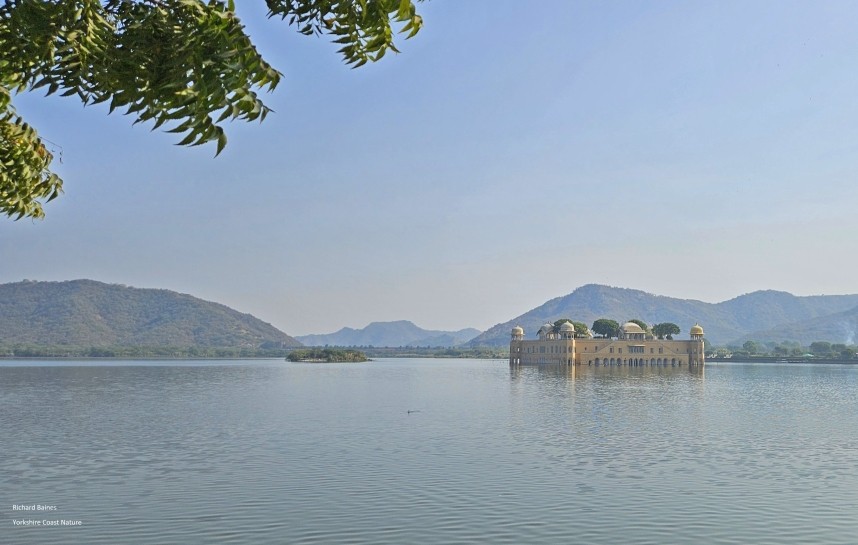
(633, 346)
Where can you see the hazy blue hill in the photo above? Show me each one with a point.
(447, 339)
(90, 313)
(398, 333)
(765, 309)
(723, 322)
(840, 327)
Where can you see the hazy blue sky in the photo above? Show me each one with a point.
(513, 152)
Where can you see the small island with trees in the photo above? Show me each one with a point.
(326, 355)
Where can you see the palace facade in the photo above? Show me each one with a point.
(633, 346)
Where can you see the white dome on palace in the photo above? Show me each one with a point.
(517, 330)
(631, 327)
(567, 327)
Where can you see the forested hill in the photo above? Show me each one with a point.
(723, 322)
(89, 313)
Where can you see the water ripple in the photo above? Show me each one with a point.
(266, 452)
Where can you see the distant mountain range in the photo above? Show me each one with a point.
(86, 313)
(90, 313)
(761, 315)
(395, 334)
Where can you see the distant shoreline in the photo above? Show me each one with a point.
(107, 359)
(136, 358)
(771, 359)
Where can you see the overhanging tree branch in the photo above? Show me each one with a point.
(186, 65)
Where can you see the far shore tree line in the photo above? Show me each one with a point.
(137, 352)
(820, 350)
(788, 349)
(19, 350)
(479, 352)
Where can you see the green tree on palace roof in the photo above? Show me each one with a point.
(665, 330)
(581, 330)
(606, 328)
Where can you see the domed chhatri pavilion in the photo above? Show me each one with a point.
(633, 346)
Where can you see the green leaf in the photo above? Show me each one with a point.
(185, 66)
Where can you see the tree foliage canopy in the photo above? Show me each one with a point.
(330, 355)
(820, 347)
(665, 330)
(606, 328)
(187, 65)
(752, 347)
(581, 330)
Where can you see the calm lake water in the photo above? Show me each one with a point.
(273, 452)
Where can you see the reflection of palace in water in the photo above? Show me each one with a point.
(633, 347)
(573, 373)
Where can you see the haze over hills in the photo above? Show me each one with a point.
(394, 334)
(723, 322)
(841, 327)
(90, 313)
